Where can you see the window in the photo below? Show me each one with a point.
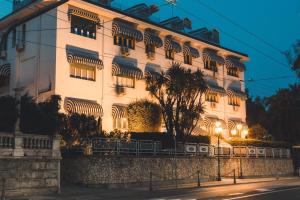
(120, 123)
(232, 71)
(211, 65)
(124, 41)
(150, 48)
(14, 38)
(211, 97)
(124, 81)
(83, 27)
(4, 81)
(82, 72)
(187, 59)
(233, 101)
(170, 54)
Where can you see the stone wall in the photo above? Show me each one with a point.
(26, 176)
(126, 171)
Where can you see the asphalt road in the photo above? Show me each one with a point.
(275, 190)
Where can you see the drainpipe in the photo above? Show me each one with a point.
(102, 56)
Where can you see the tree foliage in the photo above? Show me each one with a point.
(293, 56)
(144, 116)
(178, 92)
(8, 113)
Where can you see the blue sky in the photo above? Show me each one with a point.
(276, 22)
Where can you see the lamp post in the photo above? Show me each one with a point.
(218, 131)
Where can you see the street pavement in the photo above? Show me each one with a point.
(247, 189)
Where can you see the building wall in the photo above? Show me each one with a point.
(44, 63)
(126, 171)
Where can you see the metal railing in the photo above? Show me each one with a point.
(110, 146)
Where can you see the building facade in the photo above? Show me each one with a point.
(96, 57)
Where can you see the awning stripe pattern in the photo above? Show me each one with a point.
(151, 38)
(234, 62)
(237, 93)
(211, 55)
(152, 70)
(119, 111)
(83, 106)
(172, 44)
(188, 50)
(214, 88)
(84, 59)
(122, 28)
(210, 122)
(84, 14)
(5, 70)
(126, 68)
(232, 123)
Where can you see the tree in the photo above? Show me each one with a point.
(8, 113)
(284, 114)
(144, 116)
(293, 56)
(256, 111)
(178, 92)
(257, 131)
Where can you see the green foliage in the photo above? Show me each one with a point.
(258, 143)
(41, 118)
(258, 132)
(8, 113)
(144, 116)
(76, 126)
(178, 92)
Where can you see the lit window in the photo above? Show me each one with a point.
(23, 33)
(82, 72)
(232, 71)
(211, 65)
(234, 101)
(14, 38)
(83, 27)
(124, 41)
(124, 81)
(211, 97)
(187, 59)
(120, 123)
(170, 54)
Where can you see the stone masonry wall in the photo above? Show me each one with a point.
(25, 176)
(126, 171)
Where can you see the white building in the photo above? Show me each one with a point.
(95, 56)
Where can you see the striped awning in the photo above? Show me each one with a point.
(188, 50)
(211, 122)
(152, 70)
(236, 92)
(199, 131)
(232, 123)
(76, 57)
(151, 38)
(83, 106)
(127, 68)
(234, 62)
(119, 111)
(212, 55)
(5, 70)
(214, 88)
(126, 29)
(84, 14)
(172, 44)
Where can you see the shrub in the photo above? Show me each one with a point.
(258, 143)
(8, 114)
(144, 116)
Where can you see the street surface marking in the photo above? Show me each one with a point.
(264, 190)
(234, 194)
(253, 195)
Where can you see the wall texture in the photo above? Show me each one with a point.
(126, 171)
(25, 176)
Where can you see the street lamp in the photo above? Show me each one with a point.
(239, 128)
(218, 131)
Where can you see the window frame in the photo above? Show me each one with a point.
(88, 33)
(124, 41)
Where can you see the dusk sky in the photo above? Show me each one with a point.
(274, 22)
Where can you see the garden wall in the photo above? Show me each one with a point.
(128, 171)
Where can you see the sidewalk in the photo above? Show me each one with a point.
(76, 192)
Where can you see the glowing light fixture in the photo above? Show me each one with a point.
(239, 127)
(233, 132)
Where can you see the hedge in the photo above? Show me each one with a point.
(258, 143)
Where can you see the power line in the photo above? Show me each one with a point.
(240, 26)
